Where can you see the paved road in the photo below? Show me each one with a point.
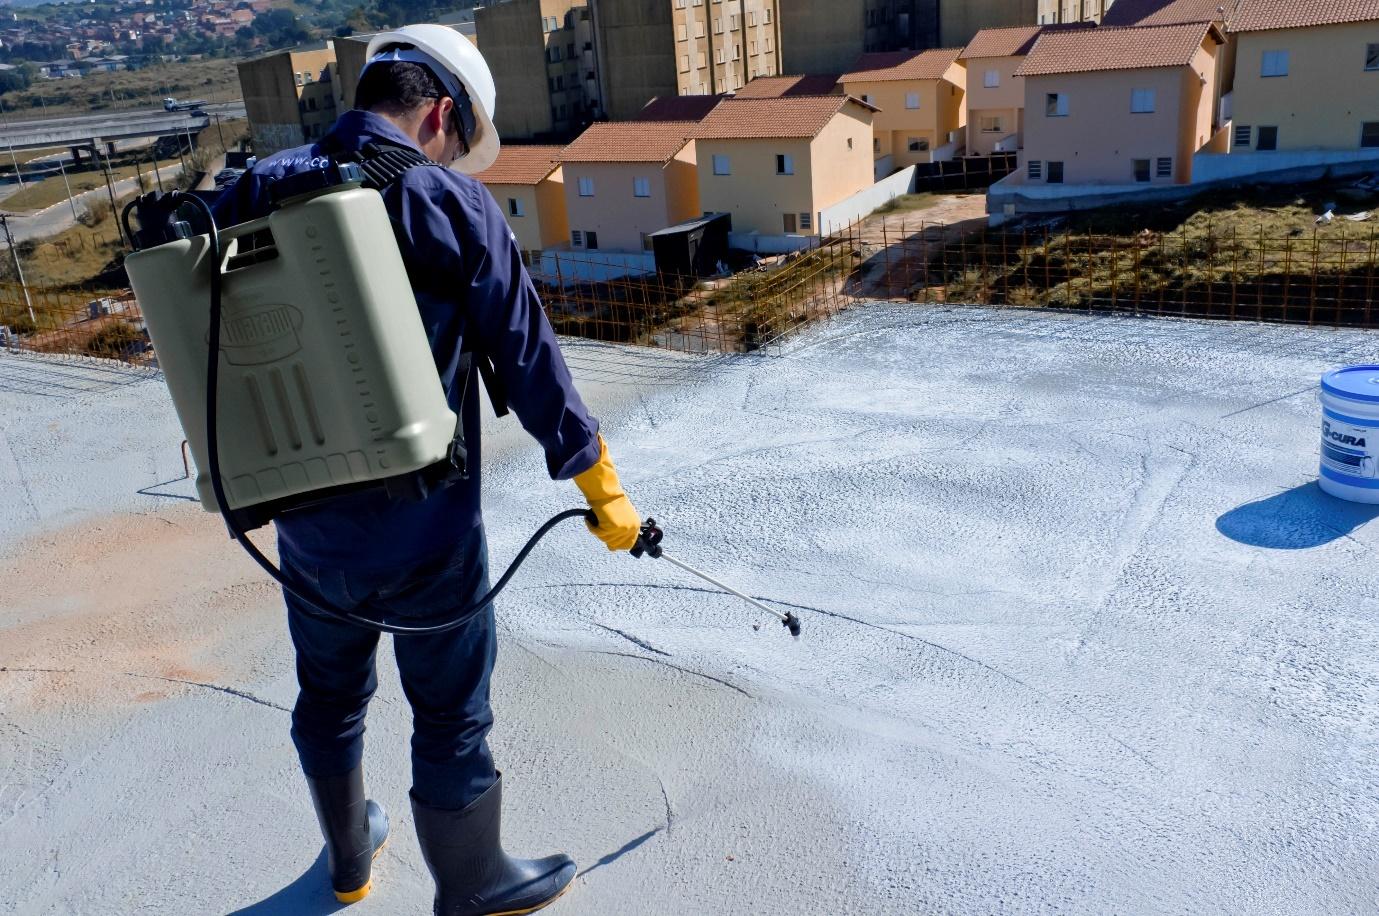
(54, 219)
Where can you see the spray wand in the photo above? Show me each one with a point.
(649, 544)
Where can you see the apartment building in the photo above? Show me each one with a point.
(289, 96)
(1054, 12)
(722, 44)
(959, 22)
(544, 64)
(1118, 106)
(626, 180)
(778, 87)
(529, 186)
(635, 54)
(1306, 77)
(826, 36)
(1167, 12)
(920, 100)
(776, 163)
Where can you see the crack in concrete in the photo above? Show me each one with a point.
(639, 643)
(228, 691)
(683, 670)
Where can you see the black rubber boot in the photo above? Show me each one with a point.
(355, 830)
(474, 877)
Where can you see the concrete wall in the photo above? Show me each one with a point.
(760, 243)
(614, 212)
(350, 56)
(960, 21)
(1324, 98)
(1100, 137)
(1008, 199)
(1005, 101)
(821, 36)
(846, 212)
(571, 266)
(550, 203)
(515, 45)
(635, 44)
(754, 194)
(940, 111)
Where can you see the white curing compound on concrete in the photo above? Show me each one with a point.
(1080, 635)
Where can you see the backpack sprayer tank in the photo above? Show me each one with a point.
(326, 379)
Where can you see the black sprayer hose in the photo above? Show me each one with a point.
(298, 590)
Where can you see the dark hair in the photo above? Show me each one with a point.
(397, 87)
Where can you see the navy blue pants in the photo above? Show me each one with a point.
(445, 676)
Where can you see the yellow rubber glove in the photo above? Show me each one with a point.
(619, 524)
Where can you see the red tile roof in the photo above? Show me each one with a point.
(1092, 50)
(799, 117)
(1015, 42)
(886, 66)
(1172, 12)
(1264, 15)
(521, 165)
(775, 87)
(629, 141)
(678, 108)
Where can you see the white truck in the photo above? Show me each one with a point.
(171, 104)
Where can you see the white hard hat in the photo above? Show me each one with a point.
(458, 62)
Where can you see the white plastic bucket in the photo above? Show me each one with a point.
(1350, 434)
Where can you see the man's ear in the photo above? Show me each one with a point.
(438, 119)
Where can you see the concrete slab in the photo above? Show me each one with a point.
(1081, 635)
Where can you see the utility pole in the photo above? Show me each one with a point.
(110, 188)
(223, 147)
(17, 174)
(18, 270)
(72, 203)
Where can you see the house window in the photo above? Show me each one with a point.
(1055, 170)
(991, 79)
(876, 146)
(1268, 138)
(1372, 57)
(788, 221)
(684, 63)
(916, 145)
(680, 33)
(806, 221)
(1369, 135)
(1141, 101)
(1056, 105)
(1036, 170)
(912, 100)
(641, 187)
(1141, 167)
(586, 187)
(515, 207)
(577, 238)
(1163, 168)
(721, 165)
(1244, 135)
(718, 56)
(1274, 63)
(866, 98)
(785, 164)
(591, 240)
(991, 125)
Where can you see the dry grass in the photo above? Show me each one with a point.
(906, 203)
(38, 195)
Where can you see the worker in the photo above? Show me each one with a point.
(426, 89)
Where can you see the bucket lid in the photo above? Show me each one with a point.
(1356, 383)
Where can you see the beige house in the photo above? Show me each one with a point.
(528, 184)
(775, 164)
(1306, 76)
(920, 100)
(625, 180)
(1118, 106)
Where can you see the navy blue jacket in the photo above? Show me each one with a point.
(469, 280)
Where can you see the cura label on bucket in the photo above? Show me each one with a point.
(1350, 434)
